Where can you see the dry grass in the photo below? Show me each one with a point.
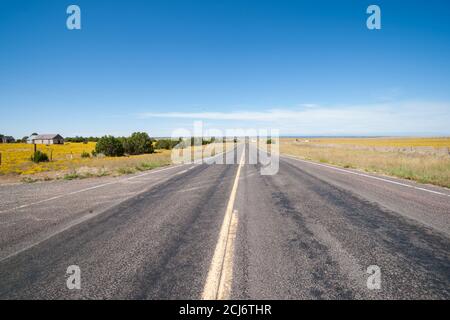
(16, 157)
(442, 142)
(427, 167)
(67, 162)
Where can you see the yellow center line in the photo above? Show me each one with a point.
(218, 282)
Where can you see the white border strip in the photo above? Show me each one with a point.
(88, 189)
(366, 175)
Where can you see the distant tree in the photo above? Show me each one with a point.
(208, 141)
(138, 143)
(109, 146)
(200, 141)
(77, 139)
(39, 156)
(80, 139)
(167, 144)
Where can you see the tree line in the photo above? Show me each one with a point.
(80, 139)
(169, 144)
(141, 143)
(137, 143)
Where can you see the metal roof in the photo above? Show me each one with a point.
(47, 137)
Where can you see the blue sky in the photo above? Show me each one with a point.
(304, 67)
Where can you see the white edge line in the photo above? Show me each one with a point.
(366, 175)
(88, 189)
(79, 220)
(103, 185)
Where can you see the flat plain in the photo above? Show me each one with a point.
(425, 160)
(66, 162)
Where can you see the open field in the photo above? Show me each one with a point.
(67, 162)
(443, 142)
(425, 160)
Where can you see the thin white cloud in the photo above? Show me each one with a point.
(315, 119)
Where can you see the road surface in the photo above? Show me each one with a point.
(225, 231)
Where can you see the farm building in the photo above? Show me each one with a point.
(7, 139)
(31, 138)
(46, 139)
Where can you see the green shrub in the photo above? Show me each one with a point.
(39, 156)
(71, 176)
(126, 170)
(85, 154)
(109, 146)
(29, 180)
(167, 144)
(208, 141)
(138, 143)
(147, 166)
(103, 173)
(81, 139)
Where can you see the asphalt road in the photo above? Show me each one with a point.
(188, 231)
